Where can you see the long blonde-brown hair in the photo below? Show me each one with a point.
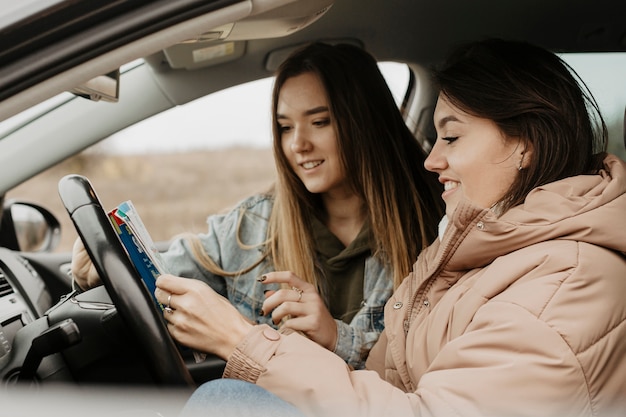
(383, 161)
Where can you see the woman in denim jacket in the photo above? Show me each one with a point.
(247, 294)
(350, 211)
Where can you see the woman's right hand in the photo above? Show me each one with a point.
(200, 318)
(302, 307)
(83, 271)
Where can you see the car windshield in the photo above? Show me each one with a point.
(14, 11)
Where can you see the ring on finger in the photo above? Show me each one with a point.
(299, 291)
(168, 308)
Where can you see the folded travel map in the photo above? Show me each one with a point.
(138, 244)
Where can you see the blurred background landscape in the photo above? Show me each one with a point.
(174, 193)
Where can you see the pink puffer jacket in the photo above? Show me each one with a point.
(522, 315)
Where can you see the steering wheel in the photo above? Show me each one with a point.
(131, 297)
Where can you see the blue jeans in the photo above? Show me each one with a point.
(232, 397)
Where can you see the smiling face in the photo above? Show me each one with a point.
(308, 137)
(473, 158)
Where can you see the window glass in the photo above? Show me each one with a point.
(605, 76)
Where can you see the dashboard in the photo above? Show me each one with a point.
(36, 301)
(22, 300)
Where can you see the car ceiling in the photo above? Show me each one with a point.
(413, 31)
(403, 30)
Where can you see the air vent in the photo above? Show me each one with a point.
(5, 287)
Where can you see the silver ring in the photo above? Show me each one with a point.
(168, 308)
(299, 291)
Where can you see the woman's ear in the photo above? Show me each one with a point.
(526, 155)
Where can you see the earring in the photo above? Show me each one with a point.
(520, 167)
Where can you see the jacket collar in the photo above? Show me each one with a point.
(575, 208)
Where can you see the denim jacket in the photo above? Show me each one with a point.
(354, 340)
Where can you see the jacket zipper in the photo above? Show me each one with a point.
(425, 287)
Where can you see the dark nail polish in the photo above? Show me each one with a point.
(261, 278)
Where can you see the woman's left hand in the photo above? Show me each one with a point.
(302, 307)
(200, 318)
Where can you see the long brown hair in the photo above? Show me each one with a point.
(384, 162)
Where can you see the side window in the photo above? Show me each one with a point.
(605, 76)
(184, 164)
(235, 117)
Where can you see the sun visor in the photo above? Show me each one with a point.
(220, 45)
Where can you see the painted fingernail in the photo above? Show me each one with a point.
(261, 278)
(262, 313)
